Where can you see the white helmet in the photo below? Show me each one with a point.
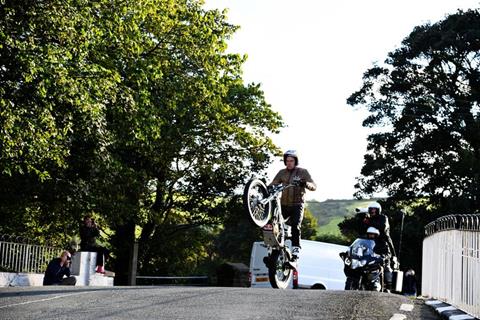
(290, 153)
(373, 230)
(375, 205)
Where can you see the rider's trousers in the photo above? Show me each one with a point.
(388, 274)
(294, 213)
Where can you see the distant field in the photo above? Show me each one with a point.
(331, 227)
(331, 212)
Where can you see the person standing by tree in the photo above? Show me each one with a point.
(88, 235)
(57, 269)
(293, 198)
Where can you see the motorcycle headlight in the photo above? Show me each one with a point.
(359, 251)
(358, 263)
(355, 264)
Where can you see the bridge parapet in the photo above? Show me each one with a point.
(451, 261)
(467, 222)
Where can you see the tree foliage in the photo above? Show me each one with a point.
(130, 110)
(309, 225)
(426, 100)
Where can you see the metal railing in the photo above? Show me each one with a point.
(451, 261)
(19, 254)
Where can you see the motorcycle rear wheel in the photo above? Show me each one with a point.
(254, 192)
(279, 273)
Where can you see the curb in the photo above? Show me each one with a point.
(448, 312)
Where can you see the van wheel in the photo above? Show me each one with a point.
(318, 286)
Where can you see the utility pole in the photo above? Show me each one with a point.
(401, 234)
(132, 267)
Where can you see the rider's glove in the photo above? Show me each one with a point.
(270, 188)
(299, 182)
(381, 259)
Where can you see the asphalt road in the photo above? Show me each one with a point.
(204, 303)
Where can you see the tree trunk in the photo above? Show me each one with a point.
(122, 243)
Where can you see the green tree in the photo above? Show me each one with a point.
(309, 225)
(131, 110)
(234, 243)
(426, 98)
(51, 102)
(424, 101)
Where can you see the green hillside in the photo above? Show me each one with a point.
(331, 212)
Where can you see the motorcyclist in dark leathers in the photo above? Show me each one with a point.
(375, 218)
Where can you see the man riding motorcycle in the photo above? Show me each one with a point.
(363, 262)
(293, 199)
(375, 218)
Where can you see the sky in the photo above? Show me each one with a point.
(309, 57)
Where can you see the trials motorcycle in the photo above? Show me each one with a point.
(263, 207)
(362, 266)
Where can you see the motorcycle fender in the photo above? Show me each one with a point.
(269, 238)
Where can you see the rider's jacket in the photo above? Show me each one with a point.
(382, 248)
(294, 195)
(380, 221)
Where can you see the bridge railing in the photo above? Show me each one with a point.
(451, 261)
(19, 254)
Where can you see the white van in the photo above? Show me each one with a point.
(319, 266)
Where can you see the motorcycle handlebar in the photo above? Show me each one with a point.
(279, 188)
(274, 191)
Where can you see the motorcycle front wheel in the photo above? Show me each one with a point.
(279, 273)
(255, 191)
(352, 284)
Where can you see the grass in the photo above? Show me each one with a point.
(330, 213)
(331, 227)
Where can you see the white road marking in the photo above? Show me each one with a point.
(461, 317)
(406, 307)
(46, 299)
(439, 310)
(432, 302)
(403, 307)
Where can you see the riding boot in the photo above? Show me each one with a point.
(295, 252)
(388, 280)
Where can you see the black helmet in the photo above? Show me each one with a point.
(290, 153)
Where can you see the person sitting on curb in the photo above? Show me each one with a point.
(57, 269)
